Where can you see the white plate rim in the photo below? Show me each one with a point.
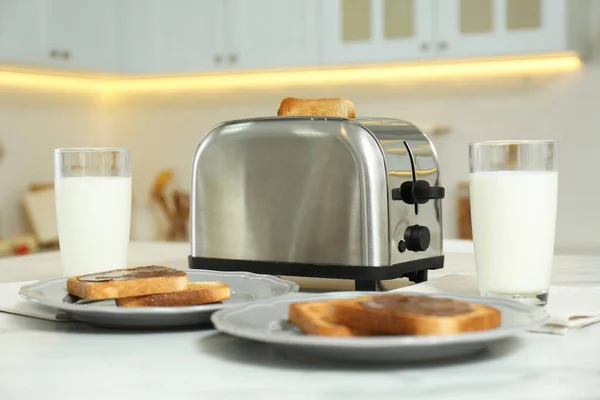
(27, 292)
(220, 320)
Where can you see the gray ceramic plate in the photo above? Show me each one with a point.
(266, 321)
(245, 288)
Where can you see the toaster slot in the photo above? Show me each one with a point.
(409, 185)
(405, 191)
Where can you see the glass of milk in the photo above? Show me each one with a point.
(513, 191)
(93, 206)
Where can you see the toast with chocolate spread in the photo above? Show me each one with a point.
(127, 282)
(196, 293)
(392, 314)
(402, 314)
(316, 318)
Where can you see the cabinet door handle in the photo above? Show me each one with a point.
(66, 55)
(53, 53)
(232, 59)
(443, 45)
(425, 46)
(218, 59)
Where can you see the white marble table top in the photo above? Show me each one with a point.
(49, 360)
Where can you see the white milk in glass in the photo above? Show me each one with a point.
(513, 217)
(93, 215)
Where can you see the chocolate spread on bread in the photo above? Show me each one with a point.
(150, 271)
(419, 305)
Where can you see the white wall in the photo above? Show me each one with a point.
(32, 123)
(163, 131)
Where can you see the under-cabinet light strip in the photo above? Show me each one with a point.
(397, 73)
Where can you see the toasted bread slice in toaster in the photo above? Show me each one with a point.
(127, 282)
(195, 294)
(332, 107)
(315, 318)
(402, 314)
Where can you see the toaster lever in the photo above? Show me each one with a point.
(422, 192)
(404, 193)
(419, 192)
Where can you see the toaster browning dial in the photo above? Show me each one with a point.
(417, 238)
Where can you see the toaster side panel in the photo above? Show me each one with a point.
(410, 156)
(302, 190)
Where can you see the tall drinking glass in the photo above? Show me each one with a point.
(513, 190)
(93, 207)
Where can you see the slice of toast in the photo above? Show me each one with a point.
(400, 314)
(315, 318)
(196, 293)
(127, 282)
(333, 107)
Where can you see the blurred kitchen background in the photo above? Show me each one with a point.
(157, 75)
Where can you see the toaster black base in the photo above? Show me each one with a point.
(366, 278)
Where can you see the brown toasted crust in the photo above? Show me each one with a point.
(196, 293)
(315, 318)
(126, 288)
(332, 107)
(391, 322)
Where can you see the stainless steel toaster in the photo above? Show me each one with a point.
(317, 197)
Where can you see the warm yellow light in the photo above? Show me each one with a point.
(397, 73)
(50, 82)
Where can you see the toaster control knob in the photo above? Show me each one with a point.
(417, 238)
(402, 246)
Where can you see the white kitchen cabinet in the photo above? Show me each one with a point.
(271, 33)
(376, 30)
(202, 35)
(66, 34)
(195, 36)
(22, 31)
(81, 34)
(473, 28)
(172, 36)
(363, 31)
